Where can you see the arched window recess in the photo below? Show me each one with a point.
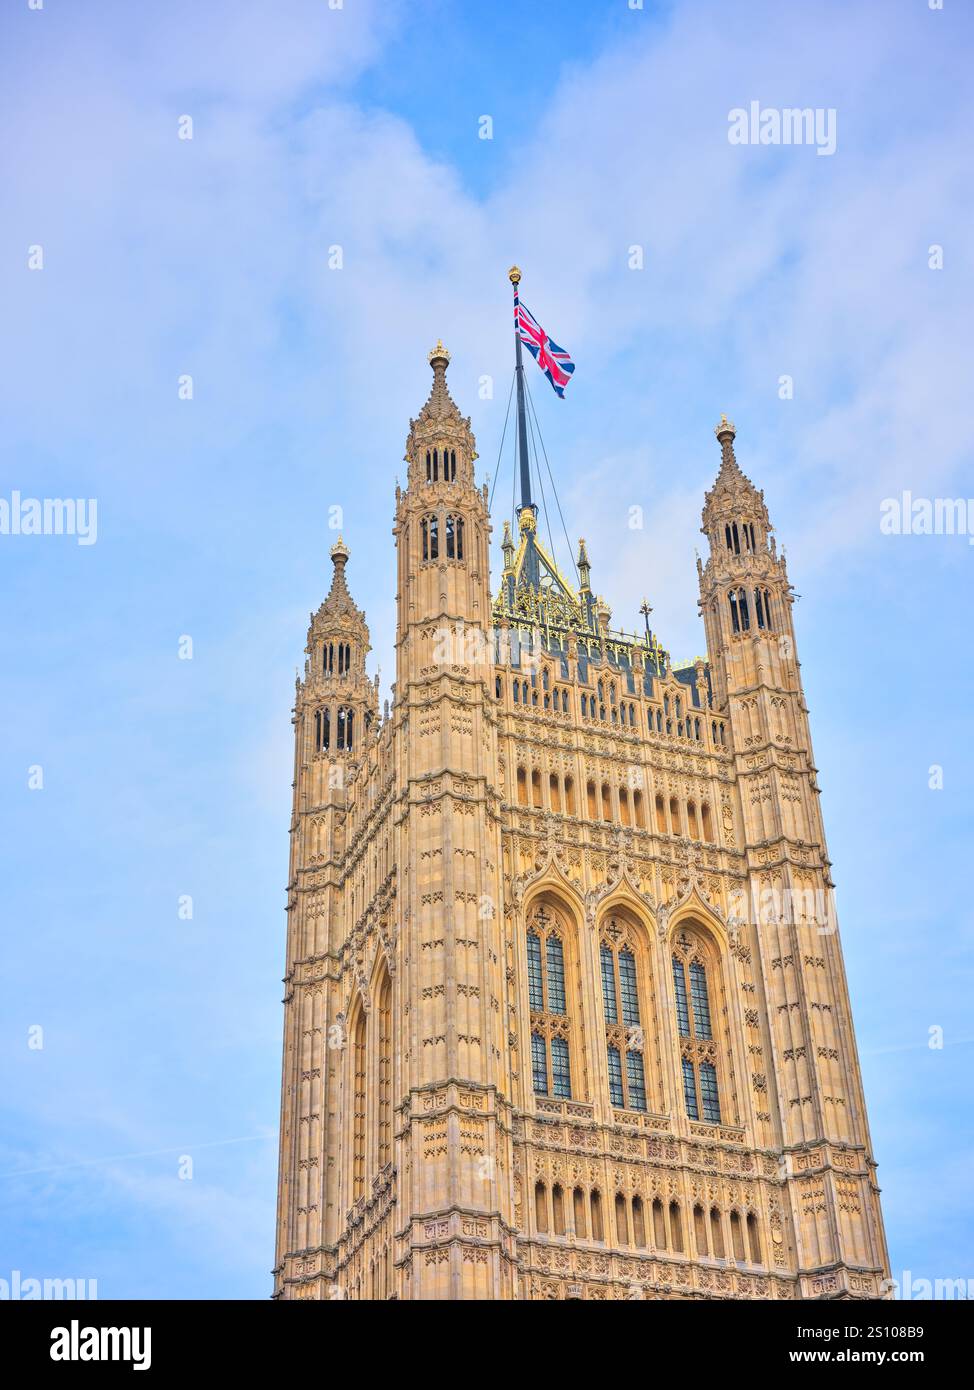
(695, 983)
(549, 1001)
(622, 1010)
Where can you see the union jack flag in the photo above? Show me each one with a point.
(553, 360)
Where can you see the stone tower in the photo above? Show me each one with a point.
(565, 1011)
(808, 1096)
(455, 1162)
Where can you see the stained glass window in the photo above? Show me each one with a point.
(561, 1076)
(636, 1081)
(708, 1093)
(615, 1078)
(556, 976)
(682, 1012)
(701, 1005)
(627, 987)
(609, 985)
(534, 971)
(539, 1064)
(690, 1090)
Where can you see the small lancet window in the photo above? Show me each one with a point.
(344, 729)
(431, 543)
(693, 1020)
(762, 608)
(550, 1052)
(620, 1001)
(740, 619)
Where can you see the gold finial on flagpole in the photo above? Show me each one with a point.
(514, 275)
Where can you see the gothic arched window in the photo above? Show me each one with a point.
(384, 1022)
(322, 730)
(623, 1027)
(739, 615)
(358, 1105)
(762, 608)
(431, 542)
(343, 740)
(740, 619)
(548, 999)
(454, 538)
(697, 1047)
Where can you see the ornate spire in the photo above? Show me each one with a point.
(440, 404)
(733, 493)
(726, 433)
(438, 426)
(339, 558)
(338, 642)
(339, 602)
(584, 568)
(507, 547)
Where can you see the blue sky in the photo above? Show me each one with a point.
(359, 128)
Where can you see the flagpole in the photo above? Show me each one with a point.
(514, 275)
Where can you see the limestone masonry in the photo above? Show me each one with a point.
(565, 1008)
